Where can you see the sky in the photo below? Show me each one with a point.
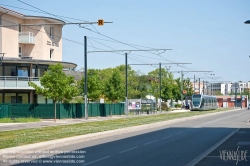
(209, 34)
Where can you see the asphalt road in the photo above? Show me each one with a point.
(180, 143)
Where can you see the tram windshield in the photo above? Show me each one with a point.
(196, 100)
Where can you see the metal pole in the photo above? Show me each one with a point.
(212, 89)
(199, 86)
(85, 78)
(235, 102)
(126, 86)
(160, 84)
(181, 86)
(203, 87)
(194, 84)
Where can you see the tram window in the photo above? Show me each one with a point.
(202, 102)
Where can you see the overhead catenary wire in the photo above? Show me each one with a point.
(93, 31)
(96, 32)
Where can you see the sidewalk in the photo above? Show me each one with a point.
(50, 122)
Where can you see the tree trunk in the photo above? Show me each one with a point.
(55, 109)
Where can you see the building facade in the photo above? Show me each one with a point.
(26, 51)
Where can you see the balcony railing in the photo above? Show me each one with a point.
(12, 82)
(27, 37)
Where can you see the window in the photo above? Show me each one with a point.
(10, 97)
(41, 72)
(1, 71)
(23, 71)
(20, 52)
(40, 99)
(20, 28)
(51, 32)
(1, 97)
(51, 54)
(33, 73)
(10, 71)
(23, 98)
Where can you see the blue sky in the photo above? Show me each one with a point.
(210, 34)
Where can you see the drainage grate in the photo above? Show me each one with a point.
(243, 143)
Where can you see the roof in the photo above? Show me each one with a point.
(147, 101)
(22, 16)
(78, 75)
(68, 65)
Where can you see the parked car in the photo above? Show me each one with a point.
(248, 106)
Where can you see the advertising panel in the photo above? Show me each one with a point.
(134, 104)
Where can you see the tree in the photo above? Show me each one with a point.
(188, 86)
(114, 88)
(168, 84)
(177, 89)
(56, 85)
(95, 84)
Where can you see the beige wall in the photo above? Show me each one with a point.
(41, 49)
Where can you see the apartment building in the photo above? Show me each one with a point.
(28, 51)
(239, 87)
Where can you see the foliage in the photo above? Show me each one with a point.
(95, 85)
(177, 105)
(114, 89)
(164, 106)
(18, 120)
(56, 85)
(188, 86)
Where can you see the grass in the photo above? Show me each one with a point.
(18, 120)
(28, 136)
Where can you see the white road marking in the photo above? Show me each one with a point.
(179, 133)
(204, 154)
(97, 160)
(151, 142)
(128, 149)
(167, 137)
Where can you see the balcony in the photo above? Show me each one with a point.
(12, 82)
(27, 38)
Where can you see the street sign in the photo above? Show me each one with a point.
(100, 22)
(184, 91)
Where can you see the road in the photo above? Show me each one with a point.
(179, 143)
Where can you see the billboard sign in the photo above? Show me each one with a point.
(134, 104)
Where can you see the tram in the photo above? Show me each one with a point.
(204, 102)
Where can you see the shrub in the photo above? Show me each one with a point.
(164, 106)
(177, 105)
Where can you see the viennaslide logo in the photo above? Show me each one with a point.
(233, 155)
